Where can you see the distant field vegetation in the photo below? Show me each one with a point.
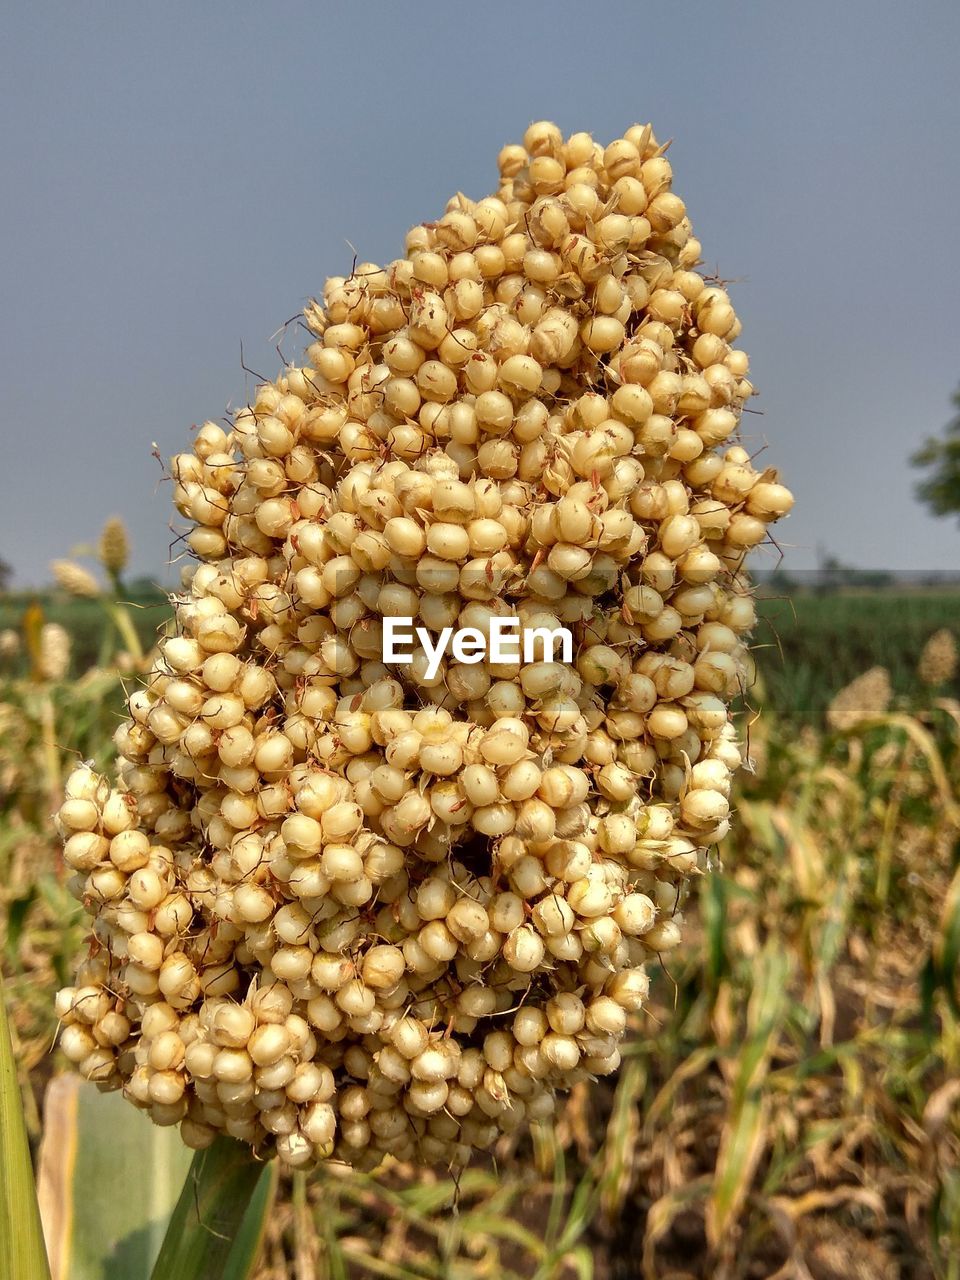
(807, 645)
(86, 620)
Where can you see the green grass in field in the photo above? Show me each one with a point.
(808, 646)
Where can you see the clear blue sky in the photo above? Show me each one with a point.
(180, 177)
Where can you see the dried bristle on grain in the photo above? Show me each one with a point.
(346, 909)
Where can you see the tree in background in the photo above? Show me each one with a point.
(6, 573)
(940, 456)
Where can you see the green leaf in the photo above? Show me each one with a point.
(742, 1144)
(108, 1182)
(744, 1134)
(619, 1153)
(22, 1252)
(249, 1239)
(209, 1236)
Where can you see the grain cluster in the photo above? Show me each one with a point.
(342, 908)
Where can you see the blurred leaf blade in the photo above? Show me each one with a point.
(744, 1135)
(946, 949)
(623, 1130)
(22, 1252)
(108, 1182)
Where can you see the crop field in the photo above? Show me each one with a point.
(477, 866)
(786, 1095)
